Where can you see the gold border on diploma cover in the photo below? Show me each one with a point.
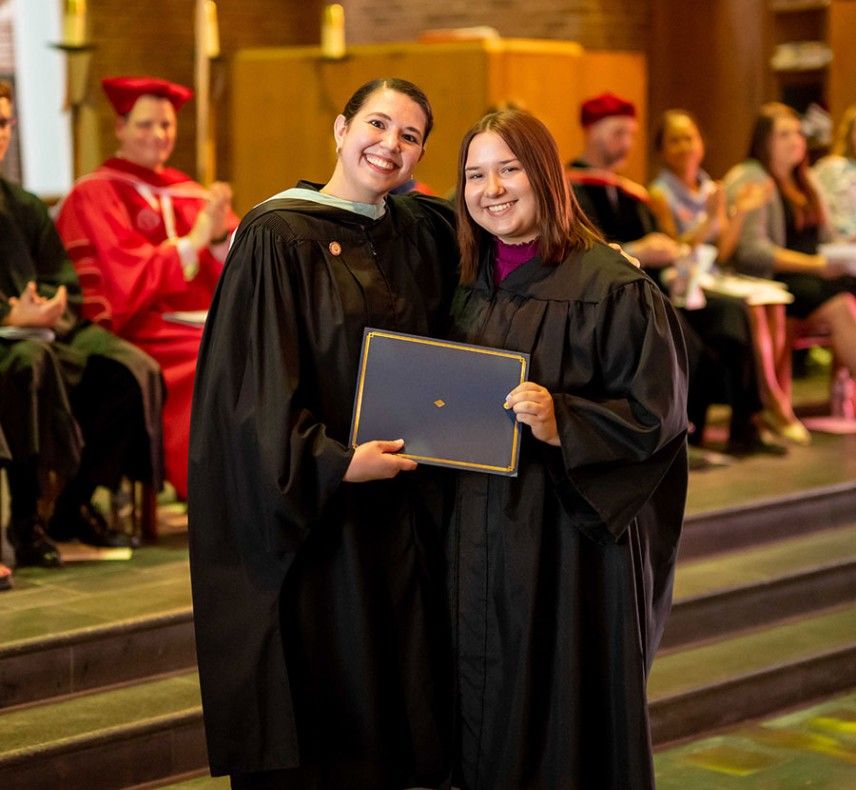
(455, 346)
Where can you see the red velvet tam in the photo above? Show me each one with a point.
(123, 92)
(607, 104)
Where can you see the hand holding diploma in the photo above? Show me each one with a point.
(377, 461)
(533, 406)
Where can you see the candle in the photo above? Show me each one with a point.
(74, 23)
(333, 32)
(212, 31)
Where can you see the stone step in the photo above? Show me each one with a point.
(82, 659)
(767, 520)
(95, 624)
(697, 689)
(115, 738)
(723, 593)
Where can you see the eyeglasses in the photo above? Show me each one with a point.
(6, 123)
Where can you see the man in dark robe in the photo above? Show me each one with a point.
(719, 345)
(75, 401)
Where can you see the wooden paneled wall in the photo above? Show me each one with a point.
(303, 94)
(156, 37)
(710, 58)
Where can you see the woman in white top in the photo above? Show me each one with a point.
(690, 206)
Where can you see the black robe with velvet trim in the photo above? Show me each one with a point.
(561, 578)
(320, 606)
(50, 390)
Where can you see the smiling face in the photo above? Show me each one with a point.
(378, 148)
(147, 134)
(497, 191)
(6, 119)
(682, 148)
(787, 144)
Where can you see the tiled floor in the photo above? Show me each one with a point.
(811, 747)
(82, 594)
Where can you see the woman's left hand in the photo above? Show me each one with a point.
(533, 406)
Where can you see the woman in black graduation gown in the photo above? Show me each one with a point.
(561, 577)
(320, 606)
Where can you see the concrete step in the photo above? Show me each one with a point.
(723, 593)
(768, 520)
(697, 689)
(114, 738)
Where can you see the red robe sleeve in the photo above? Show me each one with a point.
(123, 270)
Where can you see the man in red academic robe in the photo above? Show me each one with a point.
(148, 242)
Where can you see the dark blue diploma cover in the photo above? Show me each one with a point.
(444, 399)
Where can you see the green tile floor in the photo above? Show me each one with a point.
(155, 580)
(812, 747)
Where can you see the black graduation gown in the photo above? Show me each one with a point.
(320, 607)
(82, 355)
(561, 578)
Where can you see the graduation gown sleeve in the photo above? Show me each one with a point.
(262, 470)
(617, 447)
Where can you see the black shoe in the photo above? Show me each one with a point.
(758, 442)
(87, 525)
(32, 546)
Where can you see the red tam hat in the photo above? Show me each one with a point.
(607, 104)
(123, 92)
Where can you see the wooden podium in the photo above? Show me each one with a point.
(285, 100)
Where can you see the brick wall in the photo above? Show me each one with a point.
(596, 24)
(156, 37)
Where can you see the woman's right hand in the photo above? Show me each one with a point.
(377, 461)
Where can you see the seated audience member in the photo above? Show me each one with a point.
(717, 336)
(148, 241)
(780, 238)
(690, 206)
(836, 176)
(75, 401)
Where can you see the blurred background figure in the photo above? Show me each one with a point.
(780, 238)
(690, 207)
(836, 177)
(77, 402)
(149, 242)
(719, 344)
